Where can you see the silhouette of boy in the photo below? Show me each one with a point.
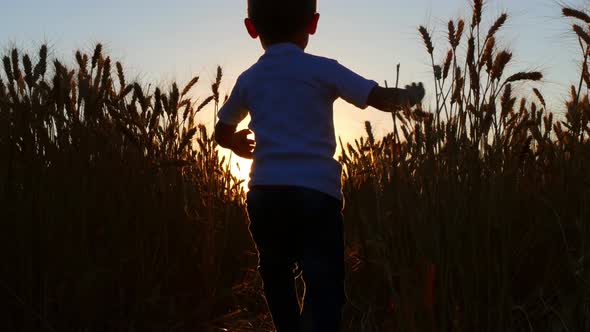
(295, 200)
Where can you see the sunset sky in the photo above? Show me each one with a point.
(174, 40)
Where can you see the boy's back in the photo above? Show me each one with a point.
(289, 95)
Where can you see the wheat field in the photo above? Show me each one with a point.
(119, 214)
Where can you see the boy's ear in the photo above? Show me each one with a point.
(313, 24)
(251, 28)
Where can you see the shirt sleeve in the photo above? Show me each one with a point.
(350, 86)
(234, 110)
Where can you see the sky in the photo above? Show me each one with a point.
(174, 40)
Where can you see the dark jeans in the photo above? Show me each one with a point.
(298, 230)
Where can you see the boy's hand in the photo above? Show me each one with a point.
(393, 99)
(227, 137)
(415, 93)
(241, 145)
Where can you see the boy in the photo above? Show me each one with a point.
(295, 199)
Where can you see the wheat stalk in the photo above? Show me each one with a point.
(570, 12)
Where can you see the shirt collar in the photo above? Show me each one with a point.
(283, 48)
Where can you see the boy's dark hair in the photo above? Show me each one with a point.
(279, 21)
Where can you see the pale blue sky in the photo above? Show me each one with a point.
(161, 41)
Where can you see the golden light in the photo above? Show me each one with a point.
(240, 168)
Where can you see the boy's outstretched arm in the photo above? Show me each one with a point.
(227, 137)
(392, 99)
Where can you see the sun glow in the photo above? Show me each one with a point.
(240, 168)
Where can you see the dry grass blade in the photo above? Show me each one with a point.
(540, 97)
(80, 60)
(497, 25)
(574, 13)
(487, 57)
(97, 55)
(586, 74)
(205, 103)
(460, 31)
(215, 86)
(502, 59)
(507, 102)
(452, 31)
(41, 66)
(471, 51)
(477, 13)
(189, 86)
(459, 83)
(18, 76)
(427, 39)
(438, 72)
(187, 139)
(447, 64)
(28, 66)
(370, 134)
(525, 76)
(8, 69)
(582, 33)
(121, 76)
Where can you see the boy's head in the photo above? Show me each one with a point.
(281, 21)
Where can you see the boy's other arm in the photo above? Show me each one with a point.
(392, 99)
(227, 137)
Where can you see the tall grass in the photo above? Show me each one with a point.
(117, 212)
(473, 216)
